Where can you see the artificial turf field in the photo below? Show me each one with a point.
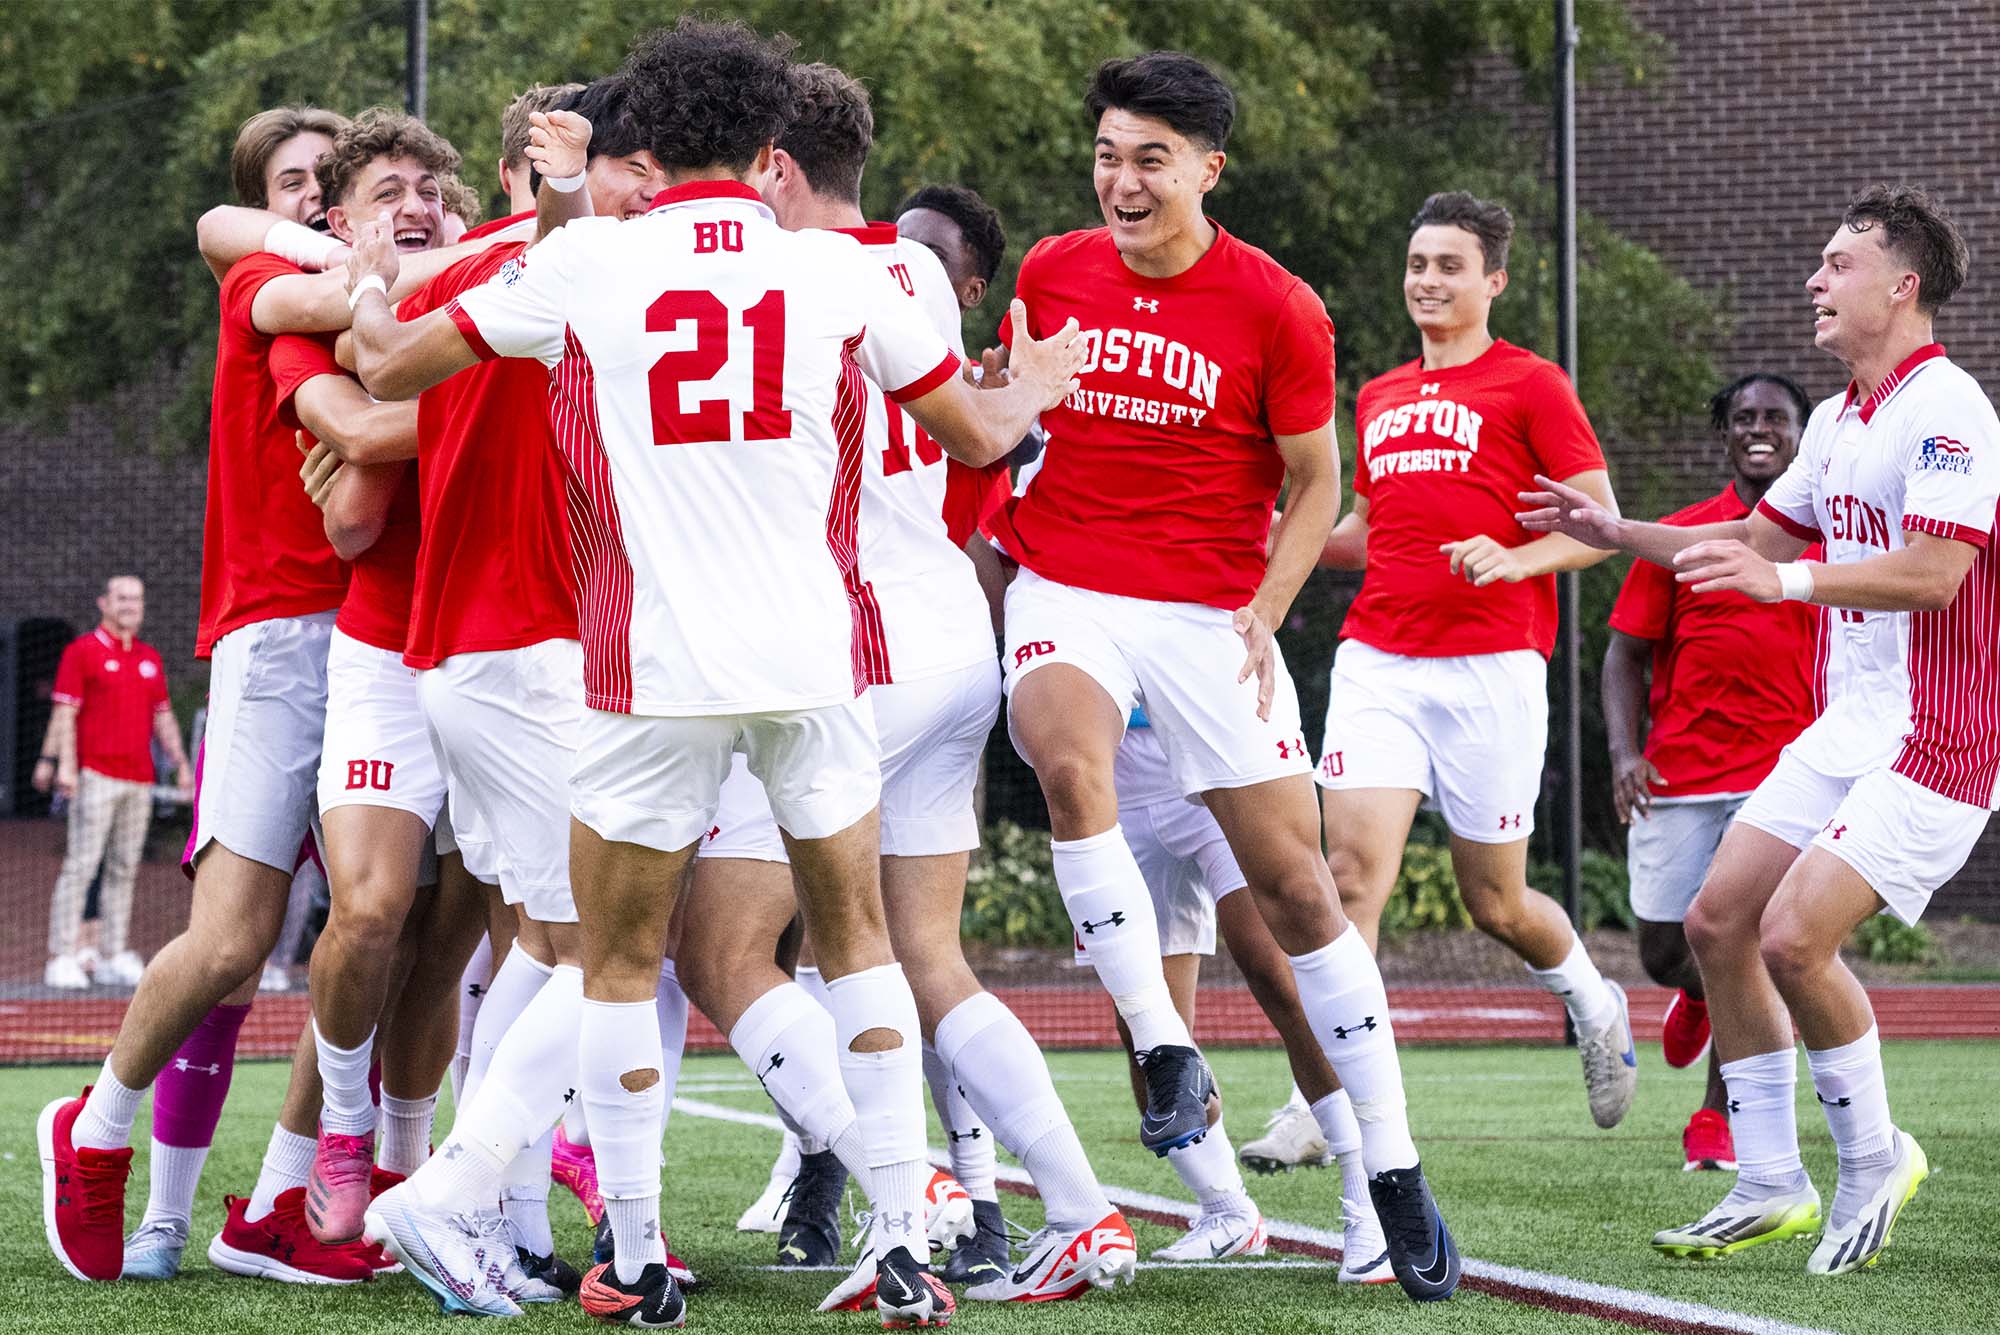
(1524, 1179)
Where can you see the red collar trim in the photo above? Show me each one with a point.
(1890, 381)
(498, 225)
(870, 234)
(113, 641)
(690, 191)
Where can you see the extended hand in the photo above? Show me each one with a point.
(374, 253)
(1483, 561)
(1261, 657)
(1051, 364)
(1562, 509)
(1631, 787)
(1724, 563)
(558, 143)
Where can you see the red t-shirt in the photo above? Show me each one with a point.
(1442, 456)
(376, 610)
(116, 691)
(1160, 471)
(494, 569)
(264, 548)
(1734, 680)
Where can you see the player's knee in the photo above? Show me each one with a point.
(1788, 949)
(1075, 785)
(638, 1082)
(878, 1039)
(1663, 953)
(1493, 911)
(371, 917)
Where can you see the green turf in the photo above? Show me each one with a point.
(1522, 1175)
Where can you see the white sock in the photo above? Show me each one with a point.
(106, 1120)
(533, 1070)
(787, 1040)
(403, 1138)
(619, 1039)
(670, 1005)
(1855, 1098)
(524, 1195)
(808, 977)
(346, 1109)
(1764, 1120)
(1340, 989)
(1208, 1169)
(464, 1174)
(1582, 988)
(1112, 912)
(991, 1056)
(288, 1162)
(176, 1172)
(887, 1090)
(515, 983)
(471, 989)
(1334, 1115)
(969, 1143)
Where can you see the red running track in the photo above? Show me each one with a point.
(66, 1029)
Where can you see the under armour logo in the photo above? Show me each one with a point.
(1512, 822)
(1292, 750)
(475, 990)
(570, 1096)
(957, 1136)
(1433, 386)
(652, 1227)
(1117, 919)
(713, 830)
(1342, 1031)
(453, 1151)
(1141, 304)
(1832, 1103)
(777, 1060)
(182, 1064)
(909, 1224)
(1736, 1105)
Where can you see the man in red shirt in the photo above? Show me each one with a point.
(1439, 692)
(110, 704)
(1733, 681)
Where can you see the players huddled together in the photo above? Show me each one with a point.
(607, 595)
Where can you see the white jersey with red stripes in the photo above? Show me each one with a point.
(708, 391)
(919, 608)
(1918, 691)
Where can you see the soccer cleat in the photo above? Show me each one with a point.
(1422, 1254)
(651, 1302)
(602, 1247)
(1214, 1236)
(540, 1279)
(1291, 1139)
(908, 1294)
(280, 1246)
(276, 978)
(122, 970)
(767, 1213)
(575, 1166)
(682, 1272)
(1684, 1032)
(65, 972)
(984, 1255)
(1610, 1064)
(154, 1252)
(1364, 1252)
(1179, 1089)
(460, 1258)
(810, 1234)
(1707, 1142)
(1860, 1241)
(1741, 1221)
(947, 1212)
(1066, 1263)
(337, 1193)
(83, 1195)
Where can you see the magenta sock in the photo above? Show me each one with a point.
(188, 1096)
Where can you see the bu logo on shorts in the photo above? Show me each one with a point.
(374, 774)
(1333, 764)
(1031, 649)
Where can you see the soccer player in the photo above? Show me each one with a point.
(1880, 800)
(1144, 582)
(715, 611)
(963, 231)
(1733, 681)
(1459, 603)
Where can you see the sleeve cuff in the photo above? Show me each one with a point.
(60, 698)
(469, 329)
(929, 381)
(1944, 528)
(1803, 532)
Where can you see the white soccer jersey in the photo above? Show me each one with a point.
(707, 390)
(919, 610)
(1919, 691)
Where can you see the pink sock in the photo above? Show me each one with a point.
(188, 1096)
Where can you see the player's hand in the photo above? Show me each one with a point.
(1261, 657)
(374, 253)
(66, 779)
(1724, 563)
(558, 143)
(44, 776)
(319, 470)
(183, 780)
(1049, 364)
(1631, 786)
(993, 372)
(1483, 561)
(1562, 509)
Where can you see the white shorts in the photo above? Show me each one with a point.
(1468, 733)
(378, 748)
(458, 831)
(1188, 868)
(1178, 661)
(743, 826)
(260, 753)
(1668, 849)
(657, 782)
(505, 723)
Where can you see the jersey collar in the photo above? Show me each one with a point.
(691, 192)
(1890, 381)
(870, 234)
(498, 225)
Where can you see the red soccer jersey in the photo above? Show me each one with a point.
(494, 569)
(1443, 456)
(1161, 471)
(116, 690)
(1734, 680)
(264, 548)
(376, 610)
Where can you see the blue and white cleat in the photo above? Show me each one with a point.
(1421, 1251)
(1610, 1064)
(461, 1262)
(1179, 1089)
(154, 1251)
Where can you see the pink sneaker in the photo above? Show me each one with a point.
(575, 1166)
(337, 1193)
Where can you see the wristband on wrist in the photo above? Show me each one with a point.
(371, 283)
(565, 185)
(301, 244)
(1795, 581)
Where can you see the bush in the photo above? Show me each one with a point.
(1010, 893)
(1885, 940)
(1604, 885)
(1426, 897)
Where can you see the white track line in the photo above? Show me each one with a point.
(1535, 1281)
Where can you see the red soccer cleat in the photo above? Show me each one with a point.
(1684, 1032)
(575, 1167)
(83, 1195)
(337, 1193)
(1708, 1143)
(280, 1246)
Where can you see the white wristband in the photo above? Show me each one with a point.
(301, 245)
(370, 283)
(1795, 581)
(565, 185)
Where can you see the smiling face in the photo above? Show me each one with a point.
(1761, 432)
(1150, 180)
(1856, 292)
(944, 238)
(1446, 287)
(400, 189)
(291, 189)
(623, 187)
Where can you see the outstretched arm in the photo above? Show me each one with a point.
(977, 427)
(397, 359)
(1563, 509)
(1922, 577)
(1483, 560)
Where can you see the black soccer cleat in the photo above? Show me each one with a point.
(1421, 1251)
(651, 1302)
(986, 1254)
(601, 1246)
(1179, 1087)
(908, 1294)
(551, 1270)
(810, 1233)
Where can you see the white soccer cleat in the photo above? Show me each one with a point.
(1214, 1236)
(122, 970)
(1066, 1263)
(1743, 1220)
(1610, 1064)
(453, 1254)
(1860, 1241)
(947, 1213)
(1291, 1140)
(63, 971)
(1364, 1252)
(767, 1213)
(858, 1288)
(154, 1251)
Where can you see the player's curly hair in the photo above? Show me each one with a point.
(1723, 401)
(708, 94)
(606, 103)
(381, 132)
(1923, 235)
(264, 134)
(460, 200)
(978, 222)
(831, 131)
(1168, 86)
(1486, 220)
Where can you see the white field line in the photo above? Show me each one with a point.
(1535, 1281)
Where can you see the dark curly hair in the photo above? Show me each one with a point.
(831, 132)
(978, 222)
(1917, 228)
(708, 94)
(1168, 86)
(1723, 401)
(381, 132)
(606, 103)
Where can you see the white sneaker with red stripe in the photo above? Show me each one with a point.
(947, 1213)
(1218, 1234)
(1059, 1263)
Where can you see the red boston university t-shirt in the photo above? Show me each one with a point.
(1161, 471)
(1734, 680)
(264, 548)
(1442, 456)
(115, 691)
(376, 610)
(494, 569)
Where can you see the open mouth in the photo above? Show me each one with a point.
(318, 221)
(1822, 313)
(1130, 215)
(413, 238)
(1432, 303)
(1759, 450)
